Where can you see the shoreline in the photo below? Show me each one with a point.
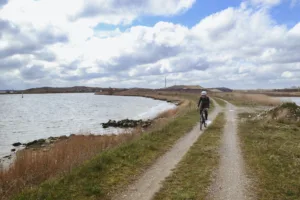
(154, 97)
(43, 144)
(289, 99)
(167, 129)
(83, 148)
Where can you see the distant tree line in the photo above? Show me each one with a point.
(287, 90)
(7, 91)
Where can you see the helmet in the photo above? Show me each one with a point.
(203, 93)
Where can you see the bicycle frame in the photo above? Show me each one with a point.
(202, 117)
(202, 120)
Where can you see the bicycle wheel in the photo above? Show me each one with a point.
(200, 125)
(201, 121)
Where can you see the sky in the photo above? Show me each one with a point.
(240, 44)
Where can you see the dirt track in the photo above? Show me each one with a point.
(150, 182)
(231, 182)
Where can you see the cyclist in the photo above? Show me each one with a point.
(204, 101)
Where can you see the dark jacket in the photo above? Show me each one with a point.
(205, 102)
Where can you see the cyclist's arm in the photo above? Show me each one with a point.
(199, 102)
(208, 102)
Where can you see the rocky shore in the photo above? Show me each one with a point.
(35, 144)
(44, 143)
(40, 142)
(127, 123)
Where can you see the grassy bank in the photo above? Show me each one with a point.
(192, 177)
(33, 166)
(170, 96)
(271, 150)
(242, 99)
(115, 168)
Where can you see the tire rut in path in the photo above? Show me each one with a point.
(150, 182)
(231, 182)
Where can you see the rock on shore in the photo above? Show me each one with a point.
(17, 144)
(39, 143)
(44, 142)
(127, 123)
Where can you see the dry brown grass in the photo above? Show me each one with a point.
(166, 117)
(242, 99)
(159, 95)
(176, 111)
(34, 166)
(113, 170)
(168, 113)
(283, 94)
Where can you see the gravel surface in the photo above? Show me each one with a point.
(231, 182)
(150, 182)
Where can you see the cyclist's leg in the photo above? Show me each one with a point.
(201, 111)
(206, 114)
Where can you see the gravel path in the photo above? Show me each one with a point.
(231, 182)
(150, 182)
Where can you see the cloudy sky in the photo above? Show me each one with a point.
(136, 43)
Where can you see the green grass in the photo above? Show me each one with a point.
(116, 168)
(192, 177)
(272, 152)
(221, 102)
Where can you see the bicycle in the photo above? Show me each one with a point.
(202, 119)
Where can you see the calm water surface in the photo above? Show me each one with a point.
(292, 99)
(43, 115)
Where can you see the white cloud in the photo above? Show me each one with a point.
(266, 2)
(295, 31)
(125, 11)
(287, 74)
(224, 49)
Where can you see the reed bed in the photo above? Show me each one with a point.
(242, 99)
(32, 166)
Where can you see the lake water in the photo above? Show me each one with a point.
(291, 99)
(43, 115)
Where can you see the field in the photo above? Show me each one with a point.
(271, 150)
(243, 99)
